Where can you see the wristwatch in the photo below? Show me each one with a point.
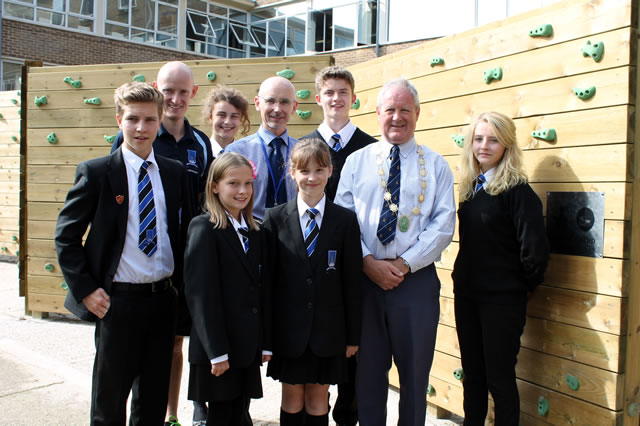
(405, 263)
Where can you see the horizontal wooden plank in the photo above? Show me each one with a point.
(64, 155)
(447, 340)
(36, 266)
(501, 38)
(38, 302)
(446, 396)
(46, 285)
(543, 98)
(443, 367)
(564, 409)
(593, 311)
(602, 276)
(45, 192)
(41, 248)
(560, 60)
(589, 347)
(43, 211)
(10, 123)
(597, 386)
(73, 99)
(111, 77)
(41, 229)
(10, 211)
(572, 129)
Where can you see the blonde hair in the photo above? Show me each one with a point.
(232, 96)
(135, 91)
(213, 205)
(308, 150)
(509, 171)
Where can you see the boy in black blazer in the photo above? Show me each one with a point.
(126, 275)
(317, 261)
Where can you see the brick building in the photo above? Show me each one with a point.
(70, 32)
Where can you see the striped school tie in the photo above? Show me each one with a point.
(388, 219)
(336, 142)
(480, 180)
(311, 232)
(147, 237)
(244, 233)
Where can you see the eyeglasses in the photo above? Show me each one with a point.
(284, 102)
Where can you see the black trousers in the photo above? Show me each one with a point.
(345, 412)
(134, 342)
(230, 413)
(489, 337)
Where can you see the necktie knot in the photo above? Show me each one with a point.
(276, 143)
(394, 150)
(312, 213)
(480, 180)
(244, 233)
(337, 146)
(144, 166)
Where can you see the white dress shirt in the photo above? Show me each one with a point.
(215, 147)
(345, 133)
(430, 232)
(135, 266)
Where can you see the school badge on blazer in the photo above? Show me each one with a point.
(192, 164)
(119, 199)
(331, 260)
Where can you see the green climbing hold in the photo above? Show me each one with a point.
(19, 111)
(356, 104)
(1, 116)
(493, 74)
(288, 74)
(52, 138)
(3, 248)
(572, 382)
(17, 252)
(436, 60)
(303, 114)
(544, 134)
(211, 76)
(458, 139)
(584, 94)
(41, 100)
(14, 238)
(110, 139)
(18, 93)
(14, 138)
(543, 405)
(48, 267)
(14, 101)
(64, 285)
(595, 50)
(139, 78)
(458, 373)
(76, 84)
(431, 390)
(303, 94)
(545, 30)
(633, 409)
(92, 101)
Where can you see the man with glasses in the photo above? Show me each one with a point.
(269, 148)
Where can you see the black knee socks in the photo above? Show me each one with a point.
(292, 419)
(322, 420)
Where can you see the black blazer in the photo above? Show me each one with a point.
(227, 297)
(93, 200)
(314, 305)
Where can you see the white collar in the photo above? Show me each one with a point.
(489, 175)
(215, 147)
(134, 161)
(405, 149)
(345, 133)
(303, 207)
(235, 223)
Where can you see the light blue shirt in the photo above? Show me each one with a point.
(430, 232)
(251, 148)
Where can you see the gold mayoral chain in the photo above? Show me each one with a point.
(403, 219)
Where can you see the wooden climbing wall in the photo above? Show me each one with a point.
(9, 173)
(583, 321)
(81, 131)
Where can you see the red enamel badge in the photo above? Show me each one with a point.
(119, 199)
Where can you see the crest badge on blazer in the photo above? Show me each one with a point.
(331, 260)
(119, 199)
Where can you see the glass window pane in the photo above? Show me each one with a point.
(199, 24)
(242, 36)
(217, 10)
(57, 5)
(171, 2)
(52, 18)
(262, 14)
(11, 75)
(236, 54)
(143, 15)
(345, 20)
(20, 1)
(167, 19)
(195, 46)
(198, 5)
(81, 7)
(80, 23)
(219, 26)
(295, 35)
(218, 51)
(18, 11)
(118, 11)
(367, 22)
(236, 15)
(141, 36)
(166, 40)
(276, 33)
(116, 31)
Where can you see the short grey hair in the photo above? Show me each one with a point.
(403, 83)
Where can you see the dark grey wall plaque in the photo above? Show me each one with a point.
(575, 223)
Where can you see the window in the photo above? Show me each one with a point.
(11, 73)
(145, 21)
(76, 14)
(219, 31)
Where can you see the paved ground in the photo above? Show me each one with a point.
(45, 369)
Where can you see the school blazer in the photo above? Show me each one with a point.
(99, 198)
(314, 304)
(226, 294)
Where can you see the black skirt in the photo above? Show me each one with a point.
(309, 368)
(235, 382)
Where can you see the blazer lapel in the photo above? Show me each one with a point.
(117, 175)
(231, 236)
(295, 233)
